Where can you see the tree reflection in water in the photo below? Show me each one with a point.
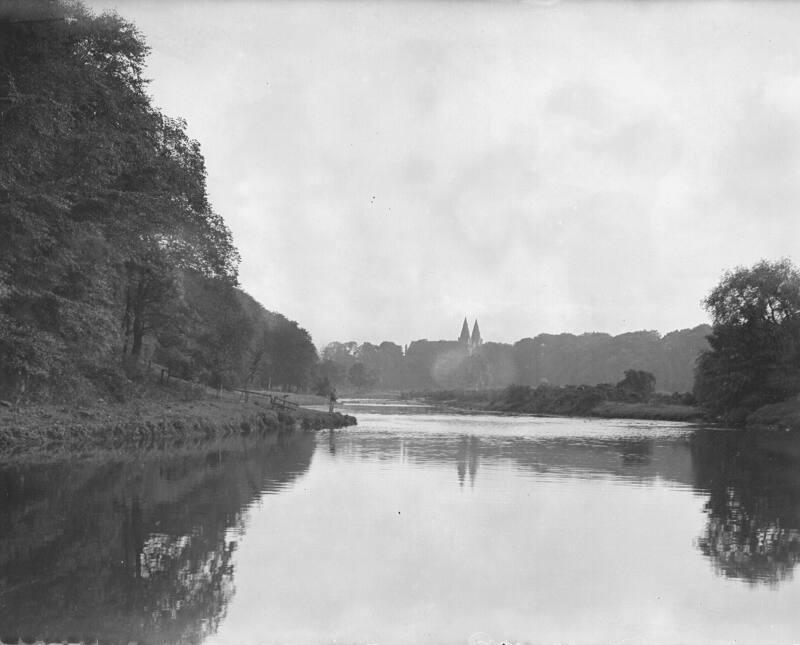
(133, 550)
(142, 548)
(752, 479)
(753, 483)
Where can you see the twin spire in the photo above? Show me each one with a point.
(472, 341)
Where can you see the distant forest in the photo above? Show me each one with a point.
(562, 359)
(111, 256)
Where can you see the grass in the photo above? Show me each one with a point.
(656, 411)
(583, 401)
(165, 414)
(783, 416)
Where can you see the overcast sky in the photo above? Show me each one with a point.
(388, 168)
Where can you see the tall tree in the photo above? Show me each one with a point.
(177, 229)
(294, 356)
(755, 341)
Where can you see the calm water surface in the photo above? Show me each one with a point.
(414, 527)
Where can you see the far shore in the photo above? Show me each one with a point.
(783, 416)
(606, 410)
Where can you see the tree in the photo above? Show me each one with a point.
(754, 357)
(71, 95)
(638, 383)
(332, 372)
(220, 330)
(360, 376)
(322, 386)
(294, 357)
(176, 229)
(103, 203)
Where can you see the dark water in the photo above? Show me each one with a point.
(413, 527)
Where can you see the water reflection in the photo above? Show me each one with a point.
(636, 457)
(541, 530)
(751, 480)
(753, 508)
(468, 457)
(132, 550)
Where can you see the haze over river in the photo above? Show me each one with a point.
(413, 527)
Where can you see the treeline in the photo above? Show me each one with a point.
(220, 336)
(637, 386)
(110, 252)
(562, 359)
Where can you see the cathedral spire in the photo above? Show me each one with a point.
(475, 340)
(464, 338)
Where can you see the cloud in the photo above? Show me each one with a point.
(388, 168)
(759, 167)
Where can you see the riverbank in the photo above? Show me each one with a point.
(570, 401)
(149, 419)
(776, 416)
(648, 411)
(606, 410)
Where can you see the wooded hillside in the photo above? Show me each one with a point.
(110, 253)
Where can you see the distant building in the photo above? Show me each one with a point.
(473, 341)
(464, 337)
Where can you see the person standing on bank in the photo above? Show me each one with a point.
(331, 400)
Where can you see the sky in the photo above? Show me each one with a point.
(388, 168)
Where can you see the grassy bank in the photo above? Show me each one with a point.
(171, 413)
(650, 411)
(603, 401)
(777, 416)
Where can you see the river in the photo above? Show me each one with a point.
(413, 527)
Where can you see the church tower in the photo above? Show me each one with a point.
(464, 338)
(475, 341)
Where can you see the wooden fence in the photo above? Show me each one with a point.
(280, 402)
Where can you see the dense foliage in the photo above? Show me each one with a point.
(562, 359)
(109, 248)
(754, 358)
(221, 336)
(637, 386)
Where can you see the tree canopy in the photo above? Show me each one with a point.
(106, 229)
(754, 355)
